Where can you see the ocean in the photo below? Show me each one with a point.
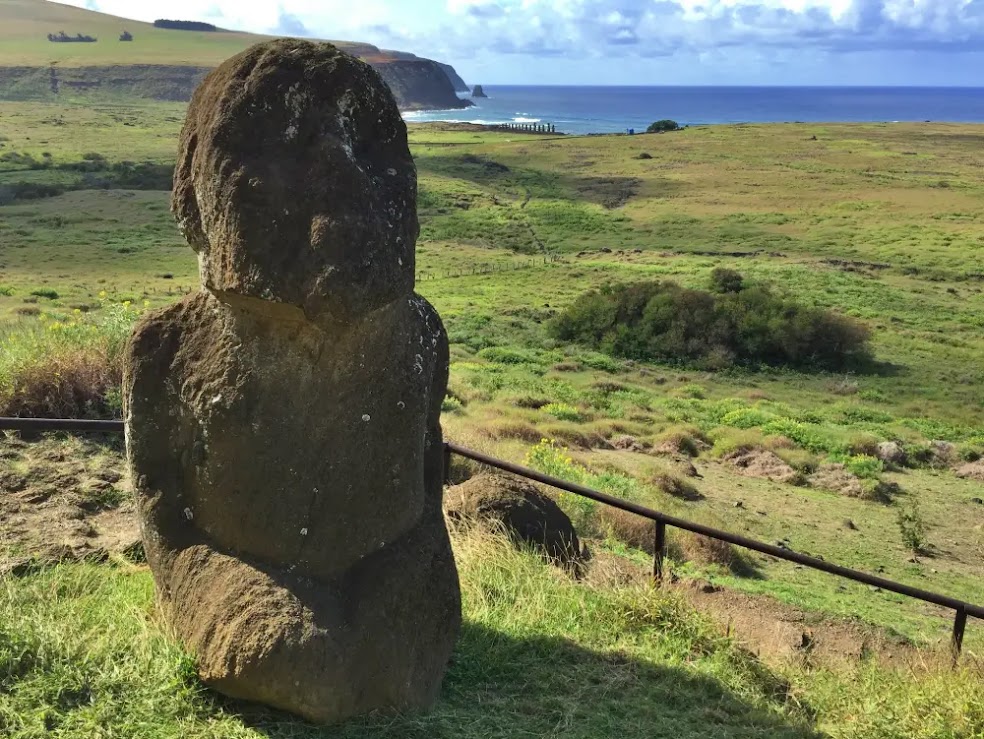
(582, 110)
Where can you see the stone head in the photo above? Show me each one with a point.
(295, 182)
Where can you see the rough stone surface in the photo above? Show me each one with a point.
(295, 183)
(519, 507)
(944, 452)
(891, 452)
(283, 427)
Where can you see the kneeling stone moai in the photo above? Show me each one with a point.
(283, 425)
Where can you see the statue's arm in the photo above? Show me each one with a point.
(151, 413)
(434, 443)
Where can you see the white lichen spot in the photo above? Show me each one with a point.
(366, 417)
(188, 514)
(391, 172)
(401, 405)
(418, 364)
(217, 399)
(304, 532)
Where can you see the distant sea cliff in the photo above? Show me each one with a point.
(417, 83)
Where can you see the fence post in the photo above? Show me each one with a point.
(659, 552)
(959, 624)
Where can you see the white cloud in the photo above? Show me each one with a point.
(758, 32)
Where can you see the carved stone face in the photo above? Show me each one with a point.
(295, 182)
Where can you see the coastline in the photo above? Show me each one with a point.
(607, 110)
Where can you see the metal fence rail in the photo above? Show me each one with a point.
(961, 608)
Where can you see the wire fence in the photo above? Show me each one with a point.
(962, 609)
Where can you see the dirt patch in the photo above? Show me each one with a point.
(63, 500)
(972, 471)
(773, 629)
(837, 479)
(764, 464)
(675, 486)
(628, 443)
(606, 570)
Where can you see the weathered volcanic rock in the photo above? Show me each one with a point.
(520, 509)
(283, 425)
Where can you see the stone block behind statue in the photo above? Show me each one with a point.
(283, 425)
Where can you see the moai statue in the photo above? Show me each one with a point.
(283, 424)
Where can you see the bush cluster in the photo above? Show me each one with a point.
(734, 324)
(176, 25)
(663, 125)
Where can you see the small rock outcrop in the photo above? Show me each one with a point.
(891, 452)
(283, 430)
(520, 509)
(478, 92)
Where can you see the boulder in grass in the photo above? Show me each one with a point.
(520, 509)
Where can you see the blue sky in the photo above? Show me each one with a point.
(634, 42)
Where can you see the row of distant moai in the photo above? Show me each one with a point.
(528, 127)
(62, 37)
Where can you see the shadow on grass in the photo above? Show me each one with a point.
(500, 685)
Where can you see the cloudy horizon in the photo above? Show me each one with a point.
(634, 42)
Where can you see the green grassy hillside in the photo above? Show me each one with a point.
(25, 25)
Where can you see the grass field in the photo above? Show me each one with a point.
(881, 222)
(81, 654)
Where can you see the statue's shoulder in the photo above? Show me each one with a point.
(426, 316)
(171, 336)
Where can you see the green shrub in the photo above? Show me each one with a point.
(746, 418)
(563, 412)
(45, 292)
(725, 280)
(661, 320)
(6, 291)
(503, 355)
(806, 435)
(451, 404)
(664, 124)
(864, 444)
(693, 391)
(864, 466)
(912, 527)
(730, 440)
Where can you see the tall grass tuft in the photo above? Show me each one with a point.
(71, 368)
